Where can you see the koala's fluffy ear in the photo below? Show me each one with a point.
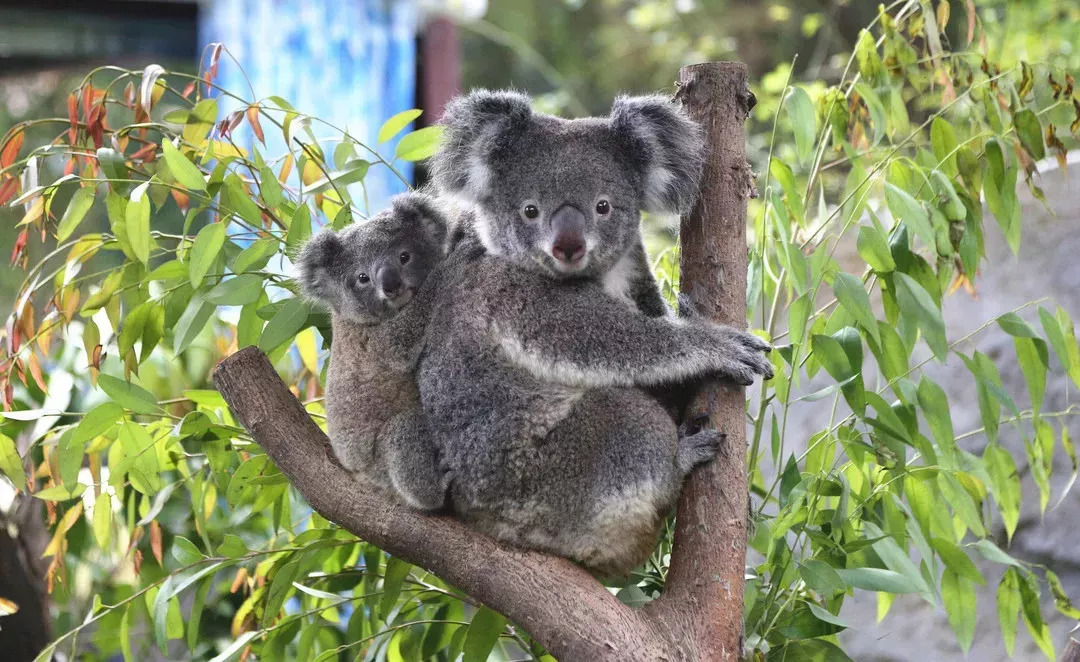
(317, 263)
(478, 125)
(669, 150)
(427, 213)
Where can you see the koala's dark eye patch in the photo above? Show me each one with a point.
(531, 211)
(404, 257)
(603, 208)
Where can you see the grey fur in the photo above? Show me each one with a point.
(538, 379)
(373, 410)
(529, 386)
(499, 155)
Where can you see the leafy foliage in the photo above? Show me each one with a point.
(169, 238)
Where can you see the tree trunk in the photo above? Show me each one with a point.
(699, 616)
(704, 592)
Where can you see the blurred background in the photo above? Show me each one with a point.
(357, 62)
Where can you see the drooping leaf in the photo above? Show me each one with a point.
(284, 325)
(852, 296)
(10, 462)
(96, 421)
(185, 172)
(874, 249)
(208, 244)
(81, 202)
(137, 222)
(917, 304)
(800, 112)
(484, 631)
(958, 593)
(128, 395)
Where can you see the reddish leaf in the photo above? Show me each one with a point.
(35, 372)
(215, 56)
(183, 200)
(253, 119)
(147, 153)
(136, 561)
(20, 246)
(11, 148)
(8, 190)
(155, 540)
(73, 117)
(9, 395)
(97, 358)
(129, 94)
(189, 89)
(971, 20)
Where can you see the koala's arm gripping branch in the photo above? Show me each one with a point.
(560, 604)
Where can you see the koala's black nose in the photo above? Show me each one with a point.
(390, 283)
(568, 224)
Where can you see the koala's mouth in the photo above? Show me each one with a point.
(564, 268)
(402, 300)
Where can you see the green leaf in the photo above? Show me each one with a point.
(800, 112)
(827, 616)
(103, 520)
(255, 256)
(851, 295)
(232, 546)
(999, 186)
(284, 325)
(958, 594)
(60, 492)
(1029, 130)
(242, 486)
(97, 421)
(186, 173)
(877, 579)
(1004, 484)
(137, 222)
(397, 123)
(353, 172)
(236, 291)
(915, 302)
(195, 619)
(484, 631)
(112, 164)
(191, 323)
(944, 143)
(821, 577)
(894, 556)
(128, 395)
(1070, 451)
(299, 229)
(1014, 325)
(420, 144)
(185, 551)
(1061, 599)
(935, 405)
(876, 109)
(171, 270)
(874, 249)
(956, 560)
(238, 201)
(1033, 358)
(1008, 607)
(81, 202)
(991, 552)
(807, 650)
(10, 462)
(199, 122)
(396, 572)
(207, 245)
(281, 585)
(910, 212)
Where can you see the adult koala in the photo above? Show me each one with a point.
(536, 356)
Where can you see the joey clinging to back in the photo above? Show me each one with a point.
(371, 275)
(370, 271)
(564, 196)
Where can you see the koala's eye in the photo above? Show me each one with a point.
(405, 257)
(603, 208)
(363, 279)
(531, 211)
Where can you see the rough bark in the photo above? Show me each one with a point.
(560, 604)
(699, 616)
(704, 591)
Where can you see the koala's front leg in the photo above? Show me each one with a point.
(576, 335)
(413, 462)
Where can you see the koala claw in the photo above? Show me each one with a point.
(698, 448)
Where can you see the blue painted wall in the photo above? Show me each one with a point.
(350, 62)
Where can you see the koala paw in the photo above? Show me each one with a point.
(749, 357)
(698, 448)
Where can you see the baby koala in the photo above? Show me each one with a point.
(370, 275)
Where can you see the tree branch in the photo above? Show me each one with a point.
(703, 598)
(557, 602)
